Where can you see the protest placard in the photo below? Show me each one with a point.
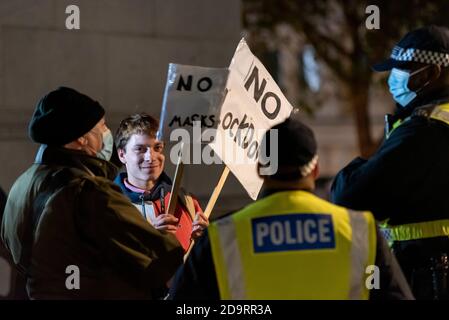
(192, 93)
(253, 104)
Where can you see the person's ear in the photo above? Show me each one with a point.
(121, 155)
(82, 140)
(316, 172)
(435, 72)
(422, 79)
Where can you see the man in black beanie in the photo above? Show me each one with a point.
(291, 244)
(69, 229)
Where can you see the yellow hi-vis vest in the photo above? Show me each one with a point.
(293, 245)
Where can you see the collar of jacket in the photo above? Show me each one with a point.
(265, 192)
(163, 184)
(437, 97)
(59, 156)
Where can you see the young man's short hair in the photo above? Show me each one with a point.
(140, 123)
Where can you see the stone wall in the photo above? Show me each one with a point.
(119, 57)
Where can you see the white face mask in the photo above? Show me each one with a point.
(398, 84)
(108, 144)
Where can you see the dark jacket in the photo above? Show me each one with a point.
(15, 285)
(2, 202)
(196, 279)
(160, 195)
(405, 181)
(161, 188)
(65, 211)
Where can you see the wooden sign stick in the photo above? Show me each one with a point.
(217, 191)
(172, 202)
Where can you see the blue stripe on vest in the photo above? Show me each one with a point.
(293, 232)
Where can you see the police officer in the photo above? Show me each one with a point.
(290, 244)
(404, 183)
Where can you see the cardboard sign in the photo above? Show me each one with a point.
(191, 94)
(253, 104)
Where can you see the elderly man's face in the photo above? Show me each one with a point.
(95, 138)
(144, 159)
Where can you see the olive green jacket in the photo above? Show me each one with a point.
(74, 234)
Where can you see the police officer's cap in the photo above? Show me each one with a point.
(428, 45)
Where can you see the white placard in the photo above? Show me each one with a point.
(191, 94)
(253, 104)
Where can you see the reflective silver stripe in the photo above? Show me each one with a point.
(441, 115)
(419, 55)
(231, 257)
(359, 253)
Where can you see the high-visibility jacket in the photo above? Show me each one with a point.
(422, 229)
(293, 245)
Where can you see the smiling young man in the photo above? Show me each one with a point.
(148, 186)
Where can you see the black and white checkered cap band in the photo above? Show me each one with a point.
(418, 55)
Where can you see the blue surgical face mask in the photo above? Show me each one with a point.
(398, 84)
(108, 144)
